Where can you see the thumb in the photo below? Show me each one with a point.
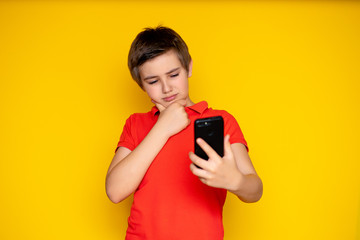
(158, 105)
(227, 146)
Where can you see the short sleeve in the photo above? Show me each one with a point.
(232, 128)
(126, 138)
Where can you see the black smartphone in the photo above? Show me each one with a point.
(212, 131)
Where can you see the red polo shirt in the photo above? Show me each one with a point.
(170, 202)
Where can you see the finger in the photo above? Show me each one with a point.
(204, 181)
(197, 161)
(207, 148)
(158, 105)
(227, 146)
(200, 173)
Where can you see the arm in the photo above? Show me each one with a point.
(249, 187)
(128, 168)
(233, 172)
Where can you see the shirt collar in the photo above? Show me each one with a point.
(199, 107)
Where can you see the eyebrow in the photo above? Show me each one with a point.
(169, 72)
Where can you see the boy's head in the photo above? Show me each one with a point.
(153, 42)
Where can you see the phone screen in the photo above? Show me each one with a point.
(212, 131)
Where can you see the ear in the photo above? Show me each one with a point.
(190, 68)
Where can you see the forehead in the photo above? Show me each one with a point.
(160, 64)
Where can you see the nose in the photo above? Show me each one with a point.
(166, 87)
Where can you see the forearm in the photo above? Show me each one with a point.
(125, 176)
(249, 188)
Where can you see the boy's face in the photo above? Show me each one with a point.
(165, 80)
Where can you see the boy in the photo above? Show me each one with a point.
(174, 199)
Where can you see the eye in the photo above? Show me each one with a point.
(152, 82)
(174, 75)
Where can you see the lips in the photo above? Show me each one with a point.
(170, 98)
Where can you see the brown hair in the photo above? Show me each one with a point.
(153, 42)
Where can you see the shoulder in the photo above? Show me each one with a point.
(218, 112)
(231, 126)
(230, 121)
(137, 119)
(143, 115)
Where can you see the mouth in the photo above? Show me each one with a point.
(170, 98)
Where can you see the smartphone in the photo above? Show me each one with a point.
(212, 131)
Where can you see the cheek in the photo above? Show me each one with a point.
(151, 92)
(184, 85)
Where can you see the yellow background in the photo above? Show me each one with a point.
(288, 71)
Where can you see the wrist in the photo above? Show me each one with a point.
(160, 131)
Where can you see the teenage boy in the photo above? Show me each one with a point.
(174, 199)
